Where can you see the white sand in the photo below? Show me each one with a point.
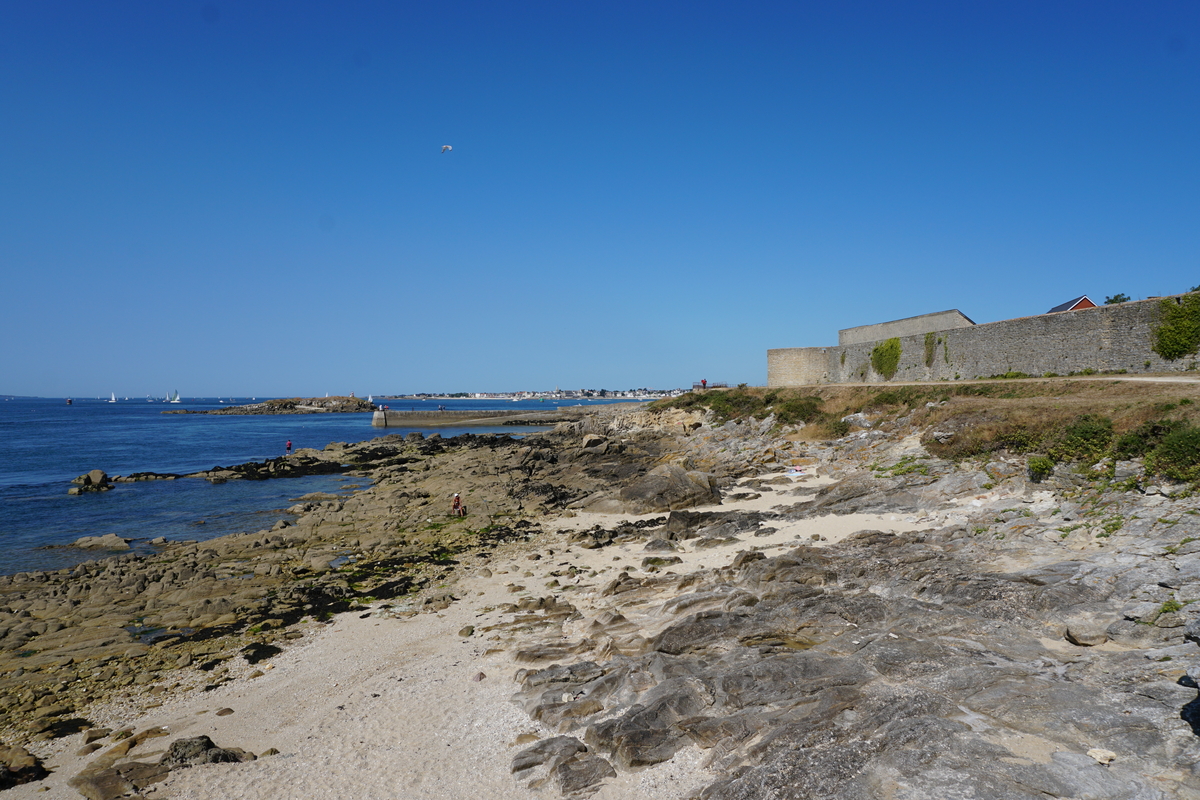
(386, 707)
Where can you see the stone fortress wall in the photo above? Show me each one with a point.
(1116, 337)
(911, 326)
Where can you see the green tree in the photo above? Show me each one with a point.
(1116, 298)
(1178, 331)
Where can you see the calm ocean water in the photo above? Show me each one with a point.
(44, 443)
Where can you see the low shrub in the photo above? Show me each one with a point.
(799, 409)
(1088, 437)
(1177, 456)
(1016, 441)
(1040, 468)
(838, 428)
(740, 403)
(910, 396)
(1145, 438)
(734, 403)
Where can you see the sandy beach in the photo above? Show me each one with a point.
(384, 704)
(378, 704)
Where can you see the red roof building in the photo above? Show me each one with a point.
(1073, 305)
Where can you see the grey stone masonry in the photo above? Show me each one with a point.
(1112, 338)
(910, 326)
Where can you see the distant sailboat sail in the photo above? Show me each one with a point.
(113, 398)
(174, 398)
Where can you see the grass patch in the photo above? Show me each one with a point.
(789, 406)
(1173, 549)
(1026, 416)
(905, 466)
(744, 402)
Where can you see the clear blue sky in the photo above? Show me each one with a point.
(250, 198)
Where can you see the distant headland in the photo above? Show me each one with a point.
(291, 405)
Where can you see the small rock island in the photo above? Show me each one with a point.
(291, 405)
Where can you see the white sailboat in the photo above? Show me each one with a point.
(113, 398)
(174, 398)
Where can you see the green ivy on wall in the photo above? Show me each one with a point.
(930, 348)
(1178, 331)
(885, 358)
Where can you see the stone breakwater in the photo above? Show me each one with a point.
(1002, 638)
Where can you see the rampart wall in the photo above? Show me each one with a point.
(911, 326)
(1116, 337)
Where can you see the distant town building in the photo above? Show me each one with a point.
(1073, 305)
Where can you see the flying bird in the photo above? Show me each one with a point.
(446, 147)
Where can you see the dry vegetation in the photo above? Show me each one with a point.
(1065, 419)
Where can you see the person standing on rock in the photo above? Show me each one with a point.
(456, 506)
(289, 447)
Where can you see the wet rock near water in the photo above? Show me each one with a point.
(109, 541)
(94, 481)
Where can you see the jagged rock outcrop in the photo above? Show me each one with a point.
(663, 488)
(17, 766)
(94, 481)
(110, 776)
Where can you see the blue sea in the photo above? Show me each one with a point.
(44, 443)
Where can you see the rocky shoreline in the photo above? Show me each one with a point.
(777, 618)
